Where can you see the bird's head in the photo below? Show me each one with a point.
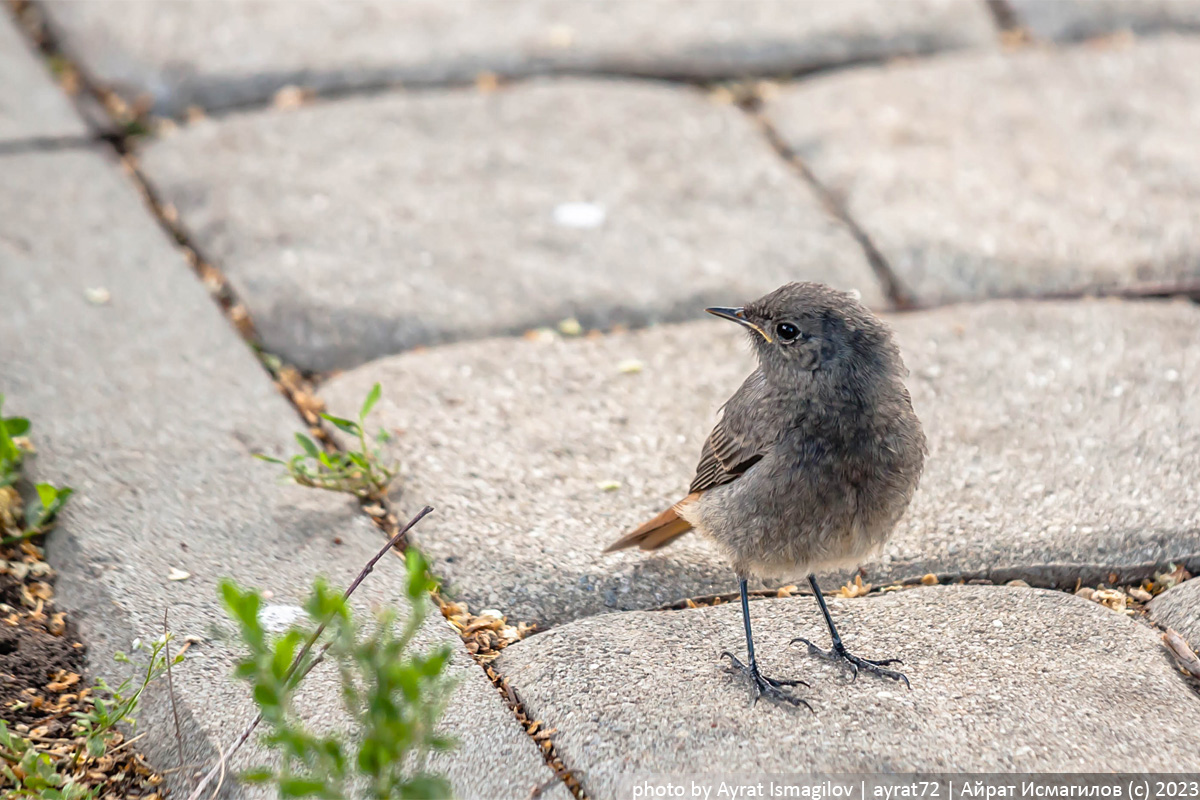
(809, 331)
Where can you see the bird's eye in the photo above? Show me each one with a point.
(787, 332)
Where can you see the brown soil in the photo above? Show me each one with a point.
(32, 658)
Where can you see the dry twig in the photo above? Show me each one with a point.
(1187, 660)
(171, 688)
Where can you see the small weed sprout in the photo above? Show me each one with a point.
(97, 724)
(47, 499)
(360, 471)
(394, 697)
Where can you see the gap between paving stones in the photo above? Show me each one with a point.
(298, 396)
(367, 88)
(900, 298)
(306, 407)
(1003, 15)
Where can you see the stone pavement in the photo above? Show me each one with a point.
(1077, 20)
(150, 407)
(1014, 174)
(1004, 680)
(404, 235)
(546, 201)
(32, 107)
(233, 53)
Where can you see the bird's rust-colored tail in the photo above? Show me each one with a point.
(658, 532)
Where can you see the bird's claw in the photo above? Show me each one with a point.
(839, 653)
(761, 686)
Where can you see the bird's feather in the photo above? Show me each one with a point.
(732, 448)
(658, 532)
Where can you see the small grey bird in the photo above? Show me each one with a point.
(813, 461)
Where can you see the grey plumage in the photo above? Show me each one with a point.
(816, 455)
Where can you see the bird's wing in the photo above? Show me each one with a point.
(736, 443)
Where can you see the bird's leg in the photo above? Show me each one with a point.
(761, 685)
(839, 653)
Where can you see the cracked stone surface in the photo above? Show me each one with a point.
(1072, 20)
(468, 214)
(1033, 172)
(31, 104)
(1064, 443)
(1179, 608)
(222, 54)
(150, 407)
(1003, 680)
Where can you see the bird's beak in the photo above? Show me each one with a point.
(738, 315)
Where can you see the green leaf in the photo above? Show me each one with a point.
(16, 426)
(63, 494)
(348, 426)
(269, 459)
(425, 787)
(435, 663)
(266, 696)
(257, 775)
(303, 787)
(369, 403)
(418, 583)
(46, 493)
(308, 446)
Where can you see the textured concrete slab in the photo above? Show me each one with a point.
(150, 406)
(1064, 443)
(1073, 20)
(32, 106)
(468, 214)
(221, 54)
(1035, 172)
(1003, 680)
(1179, 608)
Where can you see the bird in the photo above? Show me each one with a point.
(811, 464)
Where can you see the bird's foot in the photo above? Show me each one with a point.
(762, 686)
(839, 653)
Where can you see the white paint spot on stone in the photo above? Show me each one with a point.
(583, 216)
(277, 618)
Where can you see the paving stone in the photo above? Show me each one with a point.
(1072, 20)
(1179, 608)
(32, 107)
(1063, 438)
(1003, 680)
(1036, 172)
(467, 214)
(150, 407)
(221, 54)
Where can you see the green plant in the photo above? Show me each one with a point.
(47, 500)
(96, 725)
(394, 697)
(11, 456)
(35, 774)
(360, 471)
